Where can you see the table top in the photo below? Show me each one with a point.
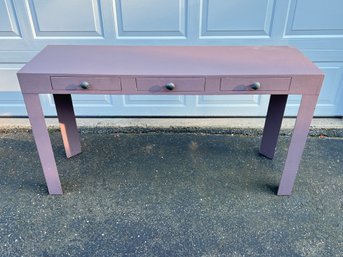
(170, 61)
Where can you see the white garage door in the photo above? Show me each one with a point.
(314, 26)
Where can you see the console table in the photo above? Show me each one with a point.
(277, 71)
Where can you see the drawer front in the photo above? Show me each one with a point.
(170, 84)
(249, 84)
(86, 83)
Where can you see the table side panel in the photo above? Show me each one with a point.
(35, 83)
(306, 84)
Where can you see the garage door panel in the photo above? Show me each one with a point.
(315, 27)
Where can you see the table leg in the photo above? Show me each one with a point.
(43, 143)
(297, 145)
(276, 109)
(66, 118)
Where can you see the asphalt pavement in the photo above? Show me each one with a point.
(170, 194)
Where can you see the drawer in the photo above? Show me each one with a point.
(86, 83)
(254, 84)
(170, 84)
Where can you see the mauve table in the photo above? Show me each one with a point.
(170, 70)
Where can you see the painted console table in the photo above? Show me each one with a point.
(181, 70)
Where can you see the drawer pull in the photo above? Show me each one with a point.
(170, 86)
(255, 85)
(85, 85)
